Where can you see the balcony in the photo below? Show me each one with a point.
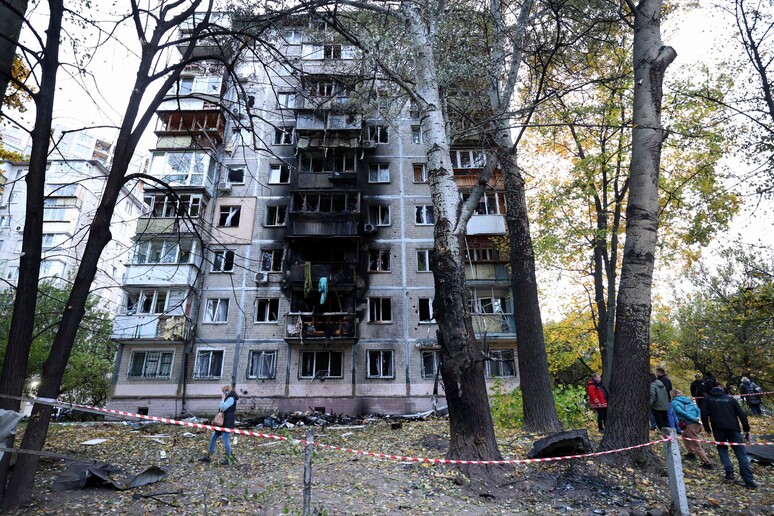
(486, 225)
(482, 274)
(327, 327)
(322, 228)
(205, 45)
(152, 327)
(494, 325)
(341, 276)
(161, 225)
(160, 274)
(210, 124)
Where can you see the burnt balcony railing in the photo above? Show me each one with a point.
(340, 275)
(303, 327)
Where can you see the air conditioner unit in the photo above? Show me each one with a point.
(261, 278)
(224, 186)
(369, 144)
(369, 228)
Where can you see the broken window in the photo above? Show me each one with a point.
(283, 135)
(416, 134)
(332, 51)
(229, 216)
(321, 364)
(275, 215)
(151, 364)
(379, 173)
(501, 364)
(279, 174)
(267, 310)
(426, 314)
(379, 214)
(423, 215)
(378, 133)
(223, 260)
(271, 260)
(209, 364)
(423, 260)
(380, 363)
(420, 173)
(379, 260)
(216, 311)
(262, 365)
(380, 309)
(431, 361)
(236, 175)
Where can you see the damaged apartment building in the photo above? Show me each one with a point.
(293, 261)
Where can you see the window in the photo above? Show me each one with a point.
(502, 363)
(420, 173)
(416, 134)
(229, 216)
(19, 245)
(148, 302)
(292, 36)
(275, 215)
(163, 251)
(151, 364)
(52, 268)
(216, 311)
(54, 214)
(5, 221)
(222, 261)
(379, 173)
(423, 215)
(431, 361)
(53, 239)
(183, 168)
(322, 364)
(426, 314)
(183, 205)
(271, 260)
(262, 364)
(380, 309)
(286, 100)
(379, 214)
(236, 175)
(332, 51)
(380, 363)
(413, 109)
(12, 273)
(209, 364)
(378, 133)
(267, 310)
(283, 135)
(379, 260)
(482, 254)
(423, 260)
(491, 203)
(468, 159)
(279, 174)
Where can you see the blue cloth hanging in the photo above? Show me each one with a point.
(323, 288)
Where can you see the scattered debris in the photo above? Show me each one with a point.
(762, 454)
(78, 475)
(571, 442)
(93, 442)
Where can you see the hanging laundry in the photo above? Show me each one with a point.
(307, 278)
(323, 288)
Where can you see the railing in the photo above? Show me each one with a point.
(339, 274)
(152, 327)
(493, 323)
(324, 326)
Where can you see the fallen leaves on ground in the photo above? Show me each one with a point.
(268, 476)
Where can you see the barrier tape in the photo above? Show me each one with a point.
(252, 433)
(738, 395)
(728, 443)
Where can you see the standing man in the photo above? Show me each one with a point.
(661, 375)
(750, 392)
(598, 399)
(697, 388)
(659, 402)
(672, 420)
(724, 414)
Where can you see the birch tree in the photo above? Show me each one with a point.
(628, 406)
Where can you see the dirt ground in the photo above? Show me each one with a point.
(268, 477)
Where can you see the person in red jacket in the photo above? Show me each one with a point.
(598, 399)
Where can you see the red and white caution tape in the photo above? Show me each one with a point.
(738, 395)
(727, 443)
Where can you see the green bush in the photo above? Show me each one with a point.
(507, 408)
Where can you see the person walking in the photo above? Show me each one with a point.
(689, 415)
(672, 421)
(228, 407)
(697, 388)
(721, 415)
(659, 402)
(749, 391)
(598, 399)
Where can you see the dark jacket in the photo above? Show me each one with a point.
(749, 387)
(667, 383)
(722, 411)
(229, 414)
(697, 388)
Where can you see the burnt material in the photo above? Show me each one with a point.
(571, 442)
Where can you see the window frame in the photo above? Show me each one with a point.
(424, 212)
(378, 173)
(499, 363)
(276, 171)
(315, 371)
(416, 135)
(160, 364)
(275, 260)
(212, 352)
(426, 252)
(420, 173)
(231, 168)
(377, 306)
(376, 215)
(276, 210)
(380, 364)
(207, 318)
(379, 134)
(436, 358)
(284, 135)
(220, 257)
(379, 260)
(226, 219)
(429, 308)
(269, 304)
(262, 353)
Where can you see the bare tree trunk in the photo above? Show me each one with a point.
(11, 17)
(23, 319)
(628, 408)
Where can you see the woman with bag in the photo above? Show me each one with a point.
(688, 415)
(227, 412)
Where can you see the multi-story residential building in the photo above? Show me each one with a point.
(291, 258)
(73, 191)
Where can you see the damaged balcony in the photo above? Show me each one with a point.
(324, 214)
(316, 328)
(324, 168)
(206, 126)
(148, 328)
(340, 276)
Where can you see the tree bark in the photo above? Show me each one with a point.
(628, 405)
(23, 319)
(11, 18)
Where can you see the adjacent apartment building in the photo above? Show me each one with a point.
(290, 256)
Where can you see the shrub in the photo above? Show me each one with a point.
(507, 409)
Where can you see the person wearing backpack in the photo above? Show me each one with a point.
(749, 391)
(689, 417)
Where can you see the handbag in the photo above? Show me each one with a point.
(218, 419)
(682, 425)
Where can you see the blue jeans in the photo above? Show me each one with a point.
(226, 441)
(741, 455)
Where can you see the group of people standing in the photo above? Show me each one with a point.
(714, 412)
